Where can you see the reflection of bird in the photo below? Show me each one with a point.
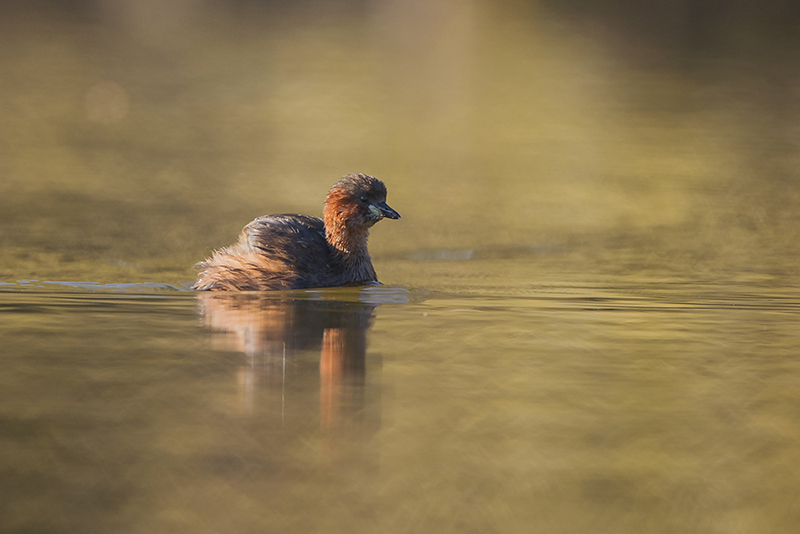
(297, 251)
(272, 331)
(269, 327)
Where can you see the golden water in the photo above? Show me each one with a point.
(589, 318)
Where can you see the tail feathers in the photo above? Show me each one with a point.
(229, 271)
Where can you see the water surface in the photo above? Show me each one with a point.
(663, 407)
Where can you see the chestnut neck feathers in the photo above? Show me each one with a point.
(348, 239)
(347, 215)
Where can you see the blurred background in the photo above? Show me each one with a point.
(138, 135)
(590, 319)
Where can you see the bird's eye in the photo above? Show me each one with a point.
(364, 199)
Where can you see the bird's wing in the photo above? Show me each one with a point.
(296, 240)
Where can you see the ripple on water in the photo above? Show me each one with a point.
(53, 285)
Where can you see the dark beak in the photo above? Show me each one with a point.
(387, 212)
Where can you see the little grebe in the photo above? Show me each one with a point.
(297, 251)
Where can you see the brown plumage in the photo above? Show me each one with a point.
(298, 251)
